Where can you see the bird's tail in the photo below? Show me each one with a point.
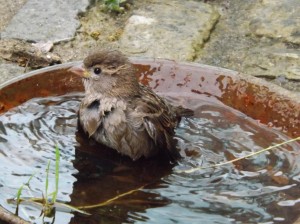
(183, 112)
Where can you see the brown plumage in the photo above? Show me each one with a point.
(122, 114)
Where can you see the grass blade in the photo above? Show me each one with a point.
(57, 160)
(47, 181)
(18, 196)
(111, 200)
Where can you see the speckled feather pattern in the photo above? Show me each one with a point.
(124, 115)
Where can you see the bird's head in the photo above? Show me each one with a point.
(108, 73)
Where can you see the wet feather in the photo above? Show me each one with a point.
(124, 115)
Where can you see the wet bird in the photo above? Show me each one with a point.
(123, 114)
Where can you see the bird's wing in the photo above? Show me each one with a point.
(158, 120)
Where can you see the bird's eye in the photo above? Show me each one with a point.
(97, 71)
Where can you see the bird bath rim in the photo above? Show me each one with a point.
(138, 60)
(255, 97)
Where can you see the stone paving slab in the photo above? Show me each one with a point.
(46, 20)
(277, 19)
(9, 71)
(169, 29)
(258, 37)
(8, 9)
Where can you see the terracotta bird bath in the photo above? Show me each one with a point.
(235, 115)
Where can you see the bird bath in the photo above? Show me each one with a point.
(234, 115)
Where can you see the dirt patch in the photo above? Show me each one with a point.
(99, 30)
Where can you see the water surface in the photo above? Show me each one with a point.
(261, 189)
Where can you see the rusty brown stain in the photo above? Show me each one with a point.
(196, 91)
(186, 80)
(144, 73)
(156, 83)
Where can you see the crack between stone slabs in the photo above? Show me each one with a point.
(198, 47)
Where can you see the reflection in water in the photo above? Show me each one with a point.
(264, 188)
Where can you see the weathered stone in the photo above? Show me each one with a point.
(293, 72)
(274, 61)
(8, 9)
(277, 19)
(270, 61)
(235, 45)
(43, 20)
(9, 71)
(173, 29)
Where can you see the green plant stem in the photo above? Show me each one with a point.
(57, 159)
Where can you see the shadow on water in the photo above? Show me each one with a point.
(103, 174)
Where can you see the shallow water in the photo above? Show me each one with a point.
(264, 188)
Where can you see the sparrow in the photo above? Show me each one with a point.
(123, 114)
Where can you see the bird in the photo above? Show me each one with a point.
(122, 114)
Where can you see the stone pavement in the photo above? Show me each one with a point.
(258, 37)
(35, 21)
(45, 20)
(160, 30)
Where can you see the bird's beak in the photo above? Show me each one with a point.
(80, 71)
